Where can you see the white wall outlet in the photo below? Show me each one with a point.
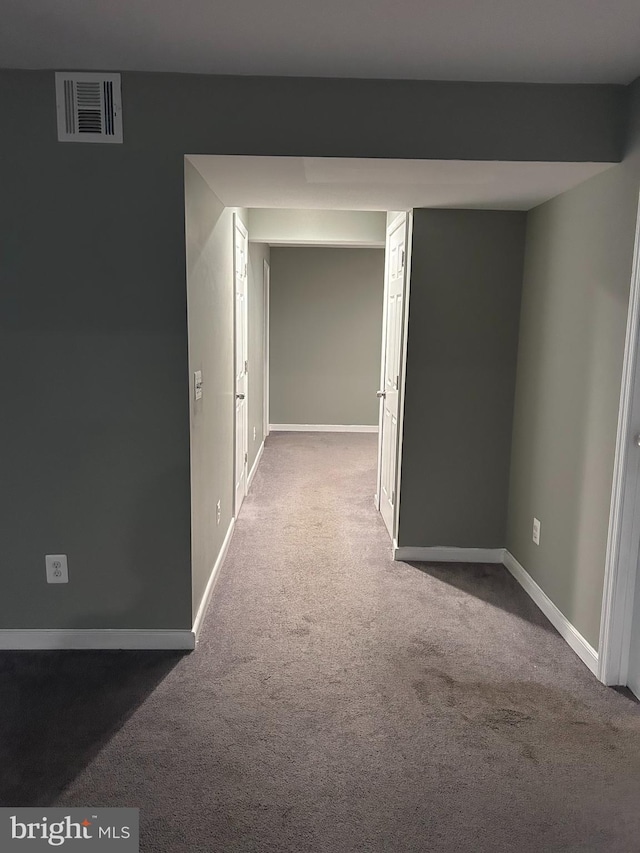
(197, 385)
(536, 531)
(57, 571)
(218, 512)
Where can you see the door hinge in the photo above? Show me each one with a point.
(246, 458)
(246, 366)
(393, 497)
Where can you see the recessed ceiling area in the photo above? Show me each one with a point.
(333, 183)
(539, 41)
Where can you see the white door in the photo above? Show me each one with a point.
(627, 613)
(633, 475)
(392, 347)
(267, 286)
(241, 368)
(619, 647)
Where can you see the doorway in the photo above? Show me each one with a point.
(335, 333)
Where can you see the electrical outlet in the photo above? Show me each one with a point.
(254, 433)
(57, 570)
(536, 531)
(218, 512)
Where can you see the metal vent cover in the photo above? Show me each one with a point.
(89, 107)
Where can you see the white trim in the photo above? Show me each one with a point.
(254, 467)
(322, 428)
(409, 554)
(96, 639)
(622, 545)
(206, 598)
(403, 368)
(567, 631)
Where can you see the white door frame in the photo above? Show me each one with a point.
(238, 224)
(266, 281)
(403, 371)
(376, 497)
(623, 541)
(403, 365)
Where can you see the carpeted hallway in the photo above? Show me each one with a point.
(337, 701)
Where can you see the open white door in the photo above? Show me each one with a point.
(266, 291)
(241, 369)
(631, 642)
(619, 646)
(392, 347)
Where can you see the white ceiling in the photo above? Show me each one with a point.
(509, 40)
(321, 183)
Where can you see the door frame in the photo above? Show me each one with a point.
(376, 497)
(403, 365)
(238, 224)
(403, 373)
(266, 285)
(623, 541)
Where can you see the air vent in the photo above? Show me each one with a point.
(89, 107)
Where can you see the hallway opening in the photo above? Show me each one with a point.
(450, 360)
(291, 206)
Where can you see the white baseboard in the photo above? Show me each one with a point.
(96, 639)
(254, 467)
(322, 428)
(408, 554)
(206, 598)
(567, 631)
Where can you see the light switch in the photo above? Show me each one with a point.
(197, 384)
(536, 531)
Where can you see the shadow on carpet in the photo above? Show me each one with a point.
(488, 582)
(60, 708)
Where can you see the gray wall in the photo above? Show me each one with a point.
(466, 279)
(574, 311)
(93, 342)
(210, 300)
(258, 254)
(325, 335)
